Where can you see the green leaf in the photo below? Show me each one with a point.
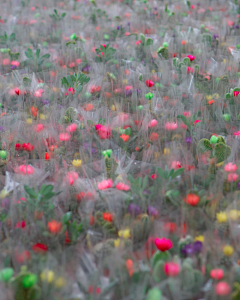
(159, 255)
(69, 79)
(228, 96)
(162, 173)
(186, 61)
(90, 123)
(67, 217)
(47, 189)
(171, 172)
(177, 173)
(128, 131)
(37, 53)
(29, 53)
(79, 89)
(185, 121)
(140, 182)
(142, 38)
(12, 36)
(145, 182)
(31, 192)
(74, 79)
(154, 294)
(49, 196)
(69, 43)
(93, 2)
(149, 42)
(45, 56)
(63, 15)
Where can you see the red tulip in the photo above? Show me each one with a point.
(149, 83)
(40, 248)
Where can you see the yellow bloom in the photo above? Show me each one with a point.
(47, 275)
(60, 282)
(221, 217)
(29, 121)
(125, 81)
(200, 238)
(113, 108)
(228, 250)
(233, 214)
(42, 117)
(125, 233)
(77, 163)
(166, 151)
(153, 71)
(116, 243)
(208, 97)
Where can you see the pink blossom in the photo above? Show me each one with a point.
(171, 269)
(189, 70)
(171, 126)
(163, 244)
(187, 114)
(195, 122)
(64, 136)
(230, 167)
(98, 126)
(128, 87)
(38, 93)
(78, 61)
(71, 177)
(71, 90)
(152, 123)
(153, 176)
(184, 126)
(138, 42)
(235, 93)
(105, 184)
(232, 177)
(237, 133)
(71, 128)
(15, 63)
(123, 187)
(175, 165)
(104, 132)
(191, 57)
(38, 127)
(23, 169)
(6, 61)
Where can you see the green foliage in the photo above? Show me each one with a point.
(5, 38)
(169, 174)
(141, 228)
(104, 54)
(154, 294)
(159, 255)
(75, 81)
(35, 61)
(56, 17)
(111, 166)
(158, 271)
(70, 115)
(163, 52)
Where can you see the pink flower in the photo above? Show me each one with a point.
(71, 177)
(71, 90)
(78, 61)
(6, 61)
(163, 244)
(38, 93)
(21, 199)
(105, 184)
(38, 127)
(230, 167)
(237, 133)
(104, 132)
(195, 122)
(149, 83)
(15, 63)
(176, 165)
(71, 128)
(189, 70)
(152, 123)
(171, 269)
(27, 170)
(183, 126)
(138, 42)
(123, 187)
(98, 126)
(128, 87)
(232, 177)
(191, 57)
(235, 93)
(170, 126)
(187, 114)
(64, 136)
(153, 176)
(20, 224)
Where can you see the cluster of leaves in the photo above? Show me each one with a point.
(72, 228)
(104, 54)
(144, 41)
(99, 13)
(56, 17)
(4, 39)
(35, 60)
(75, 81)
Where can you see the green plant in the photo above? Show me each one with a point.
(104, 54)
(35, 61)
(75, 81)
(5, 39)
(56, 17)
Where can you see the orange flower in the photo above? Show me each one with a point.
(210, 102)
(154, 137)
(192, 199)
(125, 137)
(107, 217)
(54, 226)
(88, 107)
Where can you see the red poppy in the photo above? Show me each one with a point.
(192, 199)
(27, 147)
(107, 217)
(40, 248)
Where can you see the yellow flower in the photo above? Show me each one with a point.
(208, 97)
(221, 217)
(113, 108)
(233, 214)
(166, 151)
(60, 282)
(47, 275)
(42, 117)
(125, 81)
(228, 250)
(29, 120)
(116, 243)
(239, 213)
(216, 95)
(125, 233)
(153, 71)
(77, 163)
(200, 238)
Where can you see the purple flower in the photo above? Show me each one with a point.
(146, 192)
(215, 36)
(134, 209)
(5, 203)
(128, 23)
(45, 102)
(13, 67)
(188, 140)
(197, 246)
(152, 211)
(118, 27)
(86, 69)
(155, 8)
(187, 250)
(139, 92)
(128, 93)
(2, 129)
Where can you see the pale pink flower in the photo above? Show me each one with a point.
(105, 184)
(38, 127)
(232, 177)
(15, 63)
(64, 136)
(128, 87)
(171, 126)
(71, 177)
(38, 93)
(122, 186)
(104, 132)
(23, 169)
(72, 127)
(152, 123)
(230, 167)
(187, 113)
(175, 165)
(184, 126)
(138, 42)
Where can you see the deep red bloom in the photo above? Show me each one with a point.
(18, 147)
(20, 224)
(28, 147)
(67, 239)
(107, 217)
(40, 248)
(163, 244)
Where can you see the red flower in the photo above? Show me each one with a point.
(235, 93)
(154, 137)
(149, 83)
(163, 244)
(54, 226)
(18, 147)
(107, 217)
(170, 227)
(40, 248)
(28, 147)
(67, 239)
(23, 256)
(91, 290)
(192, 199)
(20, 224)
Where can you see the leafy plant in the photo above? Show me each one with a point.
(104, 54)
(75, 81)
(35, 61)
(56, 17)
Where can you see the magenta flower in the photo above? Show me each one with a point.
(104, 132)
(171, 269)
(71, 177)
(122, 186)
(152, 123)
(64, 136)
(105, 184)
(171, 126)
(72, 127)
(230, 167)
(232, 177)
(163, 244)
(191, 57)
(195, 122)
